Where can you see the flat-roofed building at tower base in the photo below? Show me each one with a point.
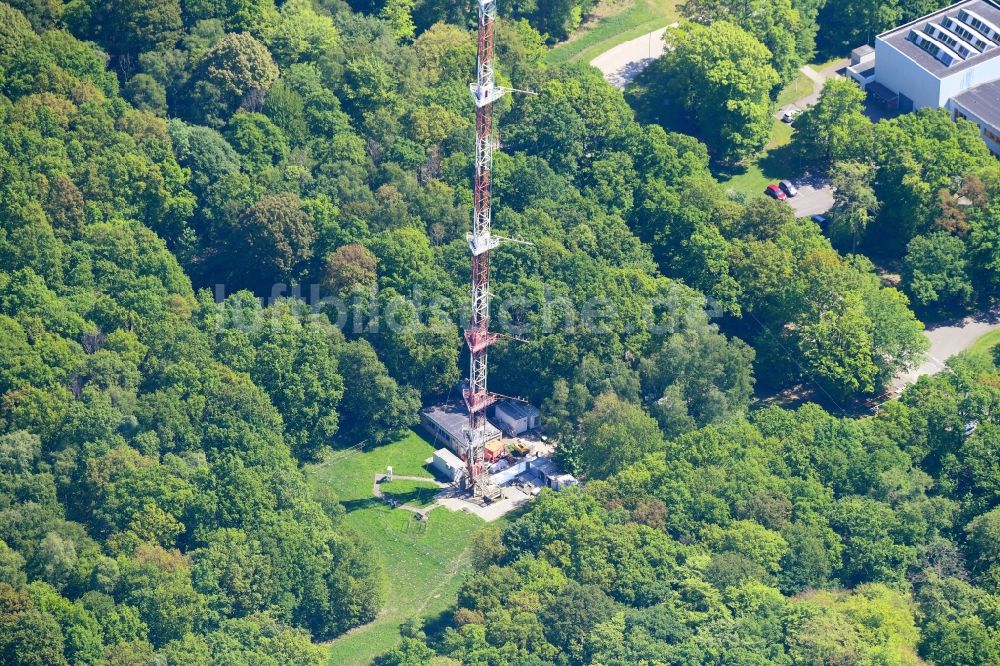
(516, 417)
(448, 425)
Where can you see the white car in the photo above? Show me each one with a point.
(789, 115)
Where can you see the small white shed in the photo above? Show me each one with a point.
(516, 417)
(448, 464)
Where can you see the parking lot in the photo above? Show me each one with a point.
(814, 198)
(813, 194)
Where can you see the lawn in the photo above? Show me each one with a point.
(414, 493)
(800, 86)
(619, 22)
(836, 59)
(424, 563)
(983, 347)
(774, 164)
(749, 180)
(777, 161)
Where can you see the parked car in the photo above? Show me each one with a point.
(775, 192)
(787, 187)
(789, 116)
(822, 220)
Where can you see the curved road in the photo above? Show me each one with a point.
(620, 64)
(949, 340)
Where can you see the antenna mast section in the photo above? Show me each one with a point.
(478, 336)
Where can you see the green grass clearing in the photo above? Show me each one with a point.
(777, 161)
(799, 87)
(781, 135)
(982, 349)
(621, 22)
(414, 493)
(425, 563)
(830, 61)
(750, 180)
(774, 164)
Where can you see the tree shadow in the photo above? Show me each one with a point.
(435, 625)
(418, 497)
(620, 78)
(776, 164)
(782, 162)
(364, 503)
(726, 172)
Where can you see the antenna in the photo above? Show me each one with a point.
(478, 336)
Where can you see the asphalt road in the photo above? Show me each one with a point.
(949, 340)
(623, 63)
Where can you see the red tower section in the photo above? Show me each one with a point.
(478, 336)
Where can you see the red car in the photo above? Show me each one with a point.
(775, 192)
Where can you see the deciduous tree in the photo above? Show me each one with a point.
(273, 238)
(935, 272)
(716, 80)
(237, 70)
(836, 127)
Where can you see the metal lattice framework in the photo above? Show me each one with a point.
(478, 336)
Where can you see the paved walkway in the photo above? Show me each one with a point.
(818, 79)
(421, 511)
(620, 64)
(812, 74)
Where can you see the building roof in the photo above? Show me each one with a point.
(496, 446)
(453, 418)
(862, 50)
(449, 458)
(863, 69)
(983, 102)
(952, 39)
(518, 410)
(544, 465)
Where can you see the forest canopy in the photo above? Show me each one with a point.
(232, 237)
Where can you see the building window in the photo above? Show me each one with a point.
(964, 33)
(944, 37)
(984, 27)
(927, 44)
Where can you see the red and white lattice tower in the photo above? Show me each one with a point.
(478, 335)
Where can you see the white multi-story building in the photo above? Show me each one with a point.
(949, 59)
